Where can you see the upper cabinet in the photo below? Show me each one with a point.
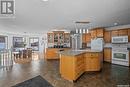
(100, 32)
(123, 32)
(107, 36)
(114, 33)
(50, 37)
(66, 37)
(129, 34)
(93, 33)
(88, 37)
(84, 38)
(120, 32)
(58, 38)
(97, 32)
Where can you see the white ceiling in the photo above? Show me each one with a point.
(39, 16)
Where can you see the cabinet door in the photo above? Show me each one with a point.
(84, 38)
(56, 35)
(67, 38)
(100, 32)
(93, 33)
(50, 37)
(114, 33)
(107, 55)
(87, 61)
(88, 37)
(123, 32)
(61, 38)
(129, 34)
(95, 62)
(107, 36)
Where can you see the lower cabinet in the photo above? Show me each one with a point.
(52, 53)
(72, 67)
(93, 61)
(107, 55)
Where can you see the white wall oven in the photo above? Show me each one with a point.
(120, 54)
(120, 57)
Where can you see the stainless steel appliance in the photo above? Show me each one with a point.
(120, 54)
(76, 41)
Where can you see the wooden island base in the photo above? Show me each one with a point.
(73, 66)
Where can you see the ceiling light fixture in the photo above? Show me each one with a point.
(115, 24)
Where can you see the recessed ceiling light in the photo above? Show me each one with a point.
(115, 23)
(45, 0)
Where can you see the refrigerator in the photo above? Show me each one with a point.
(97, 44)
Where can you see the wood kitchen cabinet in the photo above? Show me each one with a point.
(123, 32)
(97, 32)
(93, 33)
(107, 36)
(50, 37)
(84, 38)
(71, 67)
(52, 53)
(88, 37)
(93, 61)
(100, 32)
(58, 38)
(129, 34)
(114, 33)
(66, 37)
(107, 54)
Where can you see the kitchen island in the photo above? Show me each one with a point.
(73, 63)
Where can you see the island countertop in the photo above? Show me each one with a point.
(77, 52)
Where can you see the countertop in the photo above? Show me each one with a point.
(77, 52)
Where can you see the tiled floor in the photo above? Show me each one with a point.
(110, 76)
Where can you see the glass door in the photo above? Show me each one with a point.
(50, 38)
(61, 38)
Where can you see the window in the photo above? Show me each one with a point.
(3, 42)
(34, 43)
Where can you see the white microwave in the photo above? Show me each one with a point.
(120, 39)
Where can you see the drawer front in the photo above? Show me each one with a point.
(79, 72)
(78, 63)
(79, 68)
(94, 54)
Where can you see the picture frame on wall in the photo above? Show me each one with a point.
(18, 42)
